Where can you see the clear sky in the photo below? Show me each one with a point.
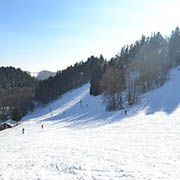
(52, 34)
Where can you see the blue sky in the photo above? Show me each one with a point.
(52, 34)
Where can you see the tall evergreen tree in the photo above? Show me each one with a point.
(95, 82)
(174, 48)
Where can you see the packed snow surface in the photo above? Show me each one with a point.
(89, 143)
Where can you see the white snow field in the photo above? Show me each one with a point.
(89, 143)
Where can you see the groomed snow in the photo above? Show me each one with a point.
(90, 143)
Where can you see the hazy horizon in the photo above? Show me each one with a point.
(51, 35)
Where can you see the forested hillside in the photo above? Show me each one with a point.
(11, 77)
(136, 69)
(16, 93)
(68, 79)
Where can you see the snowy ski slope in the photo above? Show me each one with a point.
(89, 143)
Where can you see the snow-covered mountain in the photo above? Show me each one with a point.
(80, 140)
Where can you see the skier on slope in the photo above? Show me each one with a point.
(125, 112)
(80, 104)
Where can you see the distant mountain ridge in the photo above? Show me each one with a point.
(42, 75)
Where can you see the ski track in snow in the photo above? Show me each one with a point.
(92, 144)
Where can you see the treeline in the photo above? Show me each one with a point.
(138, 68)
(68, 79)
(16, 93)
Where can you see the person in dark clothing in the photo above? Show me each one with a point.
(125, 112)
(80, 104)
(42, 126)
(22, 130)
